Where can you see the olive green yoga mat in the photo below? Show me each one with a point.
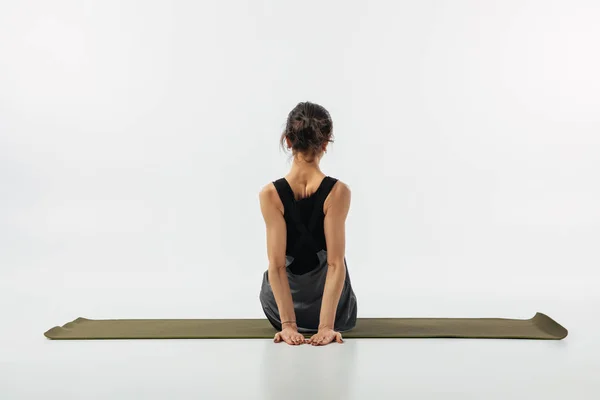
(539, 327)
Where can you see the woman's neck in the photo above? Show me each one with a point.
(303, 171)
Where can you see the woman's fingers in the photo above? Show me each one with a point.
(279, 336)
(318, 339)
(294, 339)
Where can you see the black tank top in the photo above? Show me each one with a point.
(304, 223)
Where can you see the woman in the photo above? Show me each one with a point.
(307, 288)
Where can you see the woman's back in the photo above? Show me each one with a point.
(304, 216)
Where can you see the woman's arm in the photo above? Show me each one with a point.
(276, 243)
(336, 211)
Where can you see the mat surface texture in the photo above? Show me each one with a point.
(539, 327)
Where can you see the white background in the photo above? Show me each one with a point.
(135, 137)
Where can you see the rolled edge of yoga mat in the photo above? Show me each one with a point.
(544, 328)
(550, 326)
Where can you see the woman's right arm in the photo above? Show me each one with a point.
(276, 244)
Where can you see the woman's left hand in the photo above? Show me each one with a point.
(325, 336)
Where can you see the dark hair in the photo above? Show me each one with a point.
(309, 127)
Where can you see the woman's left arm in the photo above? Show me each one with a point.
(336, 212)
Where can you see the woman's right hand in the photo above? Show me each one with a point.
(290, 336)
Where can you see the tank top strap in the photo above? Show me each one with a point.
(321, 196)
(282, 190)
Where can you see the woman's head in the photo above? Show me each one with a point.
(308, 130)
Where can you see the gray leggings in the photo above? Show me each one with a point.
(307, 294)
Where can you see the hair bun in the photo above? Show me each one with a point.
(308, 128)
(305, 137)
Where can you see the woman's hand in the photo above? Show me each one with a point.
(290, 336)
(325, 336)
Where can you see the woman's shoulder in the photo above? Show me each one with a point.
(339, 195)
(340, 187)
(267, 191)
(268, 195)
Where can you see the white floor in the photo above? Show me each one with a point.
(33, 367)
